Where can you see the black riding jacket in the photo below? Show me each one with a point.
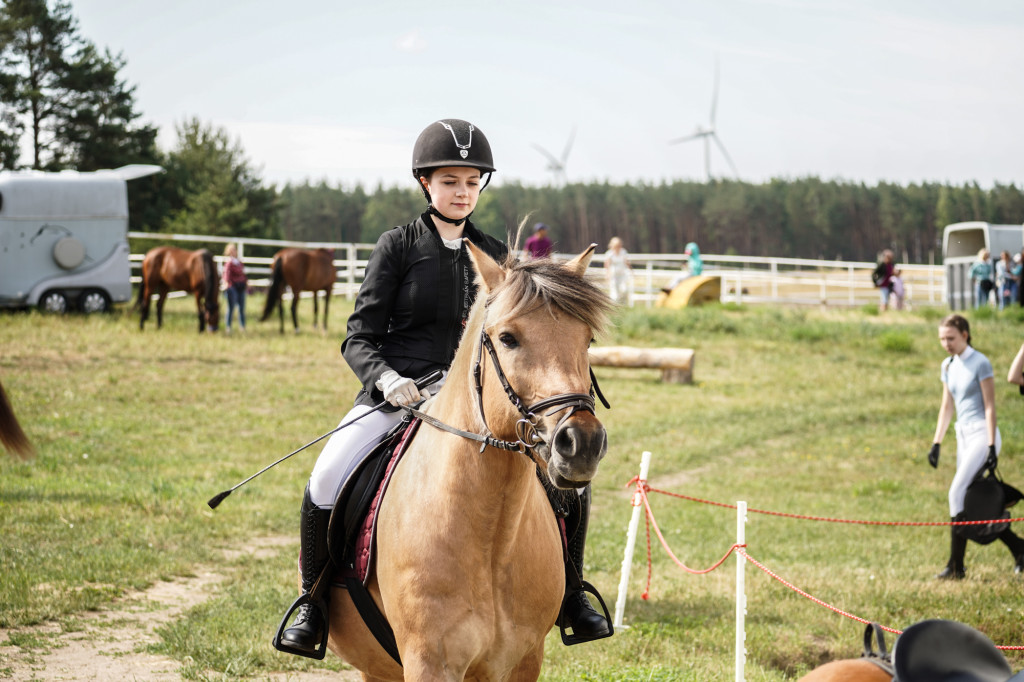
(412, 305)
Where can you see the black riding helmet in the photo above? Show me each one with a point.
(451, 142)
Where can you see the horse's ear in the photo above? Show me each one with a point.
(579, 264)
(490, 272)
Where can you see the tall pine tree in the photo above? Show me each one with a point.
(67, 96)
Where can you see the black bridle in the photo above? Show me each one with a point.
(526, 428)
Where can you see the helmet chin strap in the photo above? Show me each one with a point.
(434, 212)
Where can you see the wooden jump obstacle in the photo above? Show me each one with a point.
(676, 364)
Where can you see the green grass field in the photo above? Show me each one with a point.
(811, 412)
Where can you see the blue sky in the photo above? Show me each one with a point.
(867, 91)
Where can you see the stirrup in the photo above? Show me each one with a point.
(570, 639)
(319, 652)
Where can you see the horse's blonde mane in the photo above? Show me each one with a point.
(529, 285)
(547, 283)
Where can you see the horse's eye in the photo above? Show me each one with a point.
(508, 340)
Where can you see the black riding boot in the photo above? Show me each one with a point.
(577, 612)
(1016, 546)
(306, 631)
(954, 569)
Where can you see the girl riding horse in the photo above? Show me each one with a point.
(408, 320)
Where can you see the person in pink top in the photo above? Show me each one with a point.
(538, 245)
(235, 285)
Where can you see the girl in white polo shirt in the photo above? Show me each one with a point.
(969, 391)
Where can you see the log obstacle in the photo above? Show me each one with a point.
(676, 364)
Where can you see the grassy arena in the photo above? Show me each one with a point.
(817, 413)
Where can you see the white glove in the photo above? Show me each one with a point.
(399, 390)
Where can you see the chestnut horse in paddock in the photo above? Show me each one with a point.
(931, 650)
(11, 435)
(872, 666)
(851, 670)
(302, 270)
(168, 268)
(469, 569)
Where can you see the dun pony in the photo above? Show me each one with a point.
(469, 569)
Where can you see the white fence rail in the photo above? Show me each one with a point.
(750, 279)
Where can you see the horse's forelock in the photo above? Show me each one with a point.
(534, 283)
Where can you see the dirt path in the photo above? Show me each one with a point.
(105, 649)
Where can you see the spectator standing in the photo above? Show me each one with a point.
(882, 279)
(982, 274)
(235, 286)
(1018, 272)
(898, 290)
(538, 245)
(1006, 280)
(619, 271)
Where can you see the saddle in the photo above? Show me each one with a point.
(352, 528)
(353, 522)
(947, 651)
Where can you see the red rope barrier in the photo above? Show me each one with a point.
(647, 488)
(775, 576)
(664, 543)
(641, 493)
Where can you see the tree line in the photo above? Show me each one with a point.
(799, 218)
(63, 100)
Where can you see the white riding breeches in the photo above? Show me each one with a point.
(346, 449)
(971, 453)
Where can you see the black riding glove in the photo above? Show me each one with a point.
(933, 456)
(990, 463)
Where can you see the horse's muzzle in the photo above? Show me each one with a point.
(577, 447)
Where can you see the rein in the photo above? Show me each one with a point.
(526, 428)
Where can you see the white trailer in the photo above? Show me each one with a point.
(961, 243)
(64, 238)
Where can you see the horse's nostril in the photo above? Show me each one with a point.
(565, 441)
(573, 441)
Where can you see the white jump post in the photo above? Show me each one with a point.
(741, 597)
(627, 560)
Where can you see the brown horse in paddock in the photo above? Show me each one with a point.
(931, 650)
(872, 666)
(302, 270)
(168, 268)
(469, 569)
(851, 670)
(11, 435)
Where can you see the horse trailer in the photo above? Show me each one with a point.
(961, 243)
(64, 238)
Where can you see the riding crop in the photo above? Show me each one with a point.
(422, 382)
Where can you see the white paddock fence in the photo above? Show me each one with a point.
(745, 279)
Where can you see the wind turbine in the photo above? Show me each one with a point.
(708, 134)
(555, 165)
